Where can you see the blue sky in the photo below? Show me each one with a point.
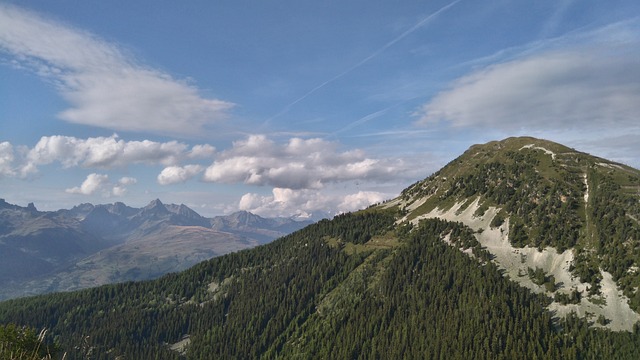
(288, 107)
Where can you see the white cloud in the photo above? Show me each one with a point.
(250, 201)
(127, 181)
(6, 159)
(120, 189)
(100, 183)
(178, 174)
(105, 86)
(589, 87)
(202, 151)
(107, 152)
(581, 89)
(361, 200)
(297, 164)
(92, 184)
(288, 202)
(284, 202)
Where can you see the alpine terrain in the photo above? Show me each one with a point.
(521, 248)
(91, 245)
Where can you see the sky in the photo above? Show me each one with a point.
(288, 108)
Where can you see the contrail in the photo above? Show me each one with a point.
(371, 116)
(363, 120)
(363, 61)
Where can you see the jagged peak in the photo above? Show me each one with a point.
(182, 210)
(30, 207)
(156, 206)
(155, 203)
(244, 215)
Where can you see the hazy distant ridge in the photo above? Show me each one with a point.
(90, 245)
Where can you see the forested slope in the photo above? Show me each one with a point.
(354, 287)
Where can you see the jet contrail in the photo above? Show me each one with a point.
(371, 116)
(363, 61)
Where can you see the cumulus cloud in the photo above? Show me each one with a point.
(107, 152)
(100, 183)
(285, 202)
(6, 159)
(127, 181)
(93, 183)
(120, 189)
(360, 200)
(202, 151)
(584, 87)
(178, 174)
(297, 164)
(104, 86)
(288, 202)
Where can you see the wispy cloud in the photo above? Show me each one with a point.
(581, 89)
(363, 120)
(104, 85)
(549, 27)
(594, 83)
(375, 54)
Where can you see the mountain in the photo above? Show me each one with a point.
(256, 227)
(91, 245)
(34, 243)
(541, 207)
(520, 248)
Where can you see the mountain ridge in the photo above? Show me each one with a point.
(51, 248)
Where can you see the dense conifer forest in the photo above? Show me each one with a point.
(354, 287)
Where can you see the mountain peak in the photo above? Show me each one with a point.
(31, 207)
(155, 203)
(184, 215)
(245, 217)
(154, 208)
(530, 199)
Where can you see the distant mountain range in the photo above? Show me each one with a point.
(91, 245)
